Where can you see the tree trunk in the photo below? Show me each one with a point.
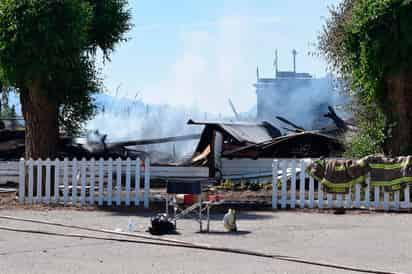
(41, 119)
(399, 109)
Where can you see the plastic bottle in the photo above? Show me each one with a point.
(131, 226)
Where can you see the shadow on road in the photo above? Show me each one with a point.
(226, 233)
(215, 214)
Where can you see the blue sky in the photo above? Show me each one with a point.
(201, 53)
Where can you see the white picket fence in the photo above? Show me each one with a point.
(111, 182)
(118, 182)
(295, 192)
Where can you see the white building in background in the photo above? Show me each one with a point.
(296, 96)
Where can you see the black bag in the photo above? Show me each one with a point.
(161, 225)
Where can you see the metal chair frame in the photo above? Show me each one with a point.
(195, 211)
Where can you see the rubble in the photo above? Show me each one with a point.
(218, 139)
(12, 145)
(264, 141)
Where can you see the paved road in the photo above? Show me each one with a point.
(379, 241)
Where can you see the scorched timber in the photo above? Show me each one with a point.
(155, 141)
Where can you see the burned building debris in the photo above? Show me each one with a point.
(225, 150)
(100, 148)
(265, 141)
(218, 137)
(297, 145)
(12, 146)
(294, 145)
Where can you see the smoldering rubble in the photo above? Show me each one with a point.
(218, 139)
(12, 147)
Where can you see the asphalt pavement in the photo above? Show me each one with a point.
(377, 241)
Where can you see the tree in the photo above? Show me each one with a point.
(47, 52)
(369, 43)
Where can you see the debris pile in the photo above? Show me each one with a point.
(238, 140)
(12, 146)
(218, 140)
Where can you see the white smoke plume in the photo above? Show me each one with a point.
(124, 119)
(305, 104)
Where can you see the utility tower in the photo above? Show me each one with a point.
(294, 53)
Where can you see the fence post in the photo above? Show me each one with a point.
(92, 167)
(367, 192)
(118, 181)
(386, 205)
(56, 180)
(39, 181)
(101, 177)
(83, 182)
(137, 183)
(65, 181)
(127, 200)
(311, 192)
(31, 181)
(407, 197)
(109, 181)
(349, 198)
(146, 182)
(376, 199)
(320, 194)
(357, 195)
(275, 184)
(22, 180)
(339, 200)
(48, 182)
(74, 182)
(293, 185)
(284, 183)
(302, 184)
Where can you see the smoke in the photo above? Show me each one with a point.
(303, 102)
(125, 119)
(216, 64)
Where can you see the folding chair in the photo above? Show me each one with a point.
(195, 210)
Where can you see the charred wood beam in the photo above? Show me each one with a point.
(299, 128)
(154, 141)
(336, 119)
(292, 130)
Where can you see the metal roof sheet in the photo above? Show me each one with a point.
(248, 133)
(245, 132)
(282, 139)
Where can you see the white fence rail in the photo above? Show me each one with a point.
(298, 189)
(118, 182)
(259, 170)
(9, 172)
(111, 182)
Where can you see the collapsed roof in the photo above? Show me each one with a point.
(298, 145)
(263, 140)
(253, 133)
(231, 136)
